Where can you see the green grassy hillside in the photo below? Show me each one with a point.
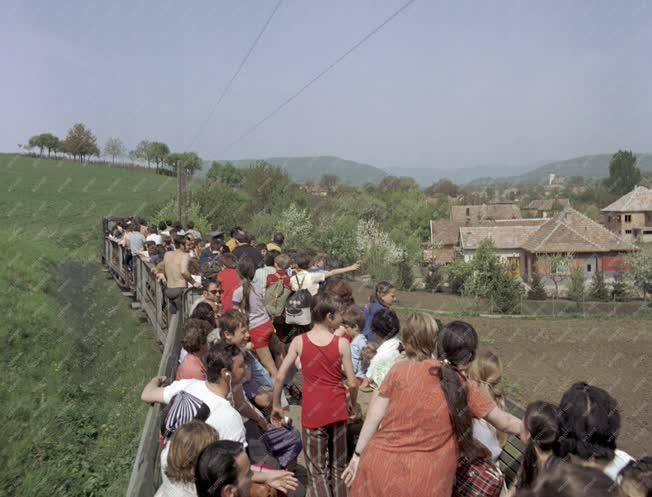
(74, 355)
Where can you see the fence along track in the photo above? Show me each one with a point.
(148, 292)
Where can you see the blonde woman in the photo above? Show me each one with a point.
(487, 372)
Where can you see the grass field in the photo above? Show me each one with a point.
(73, 355)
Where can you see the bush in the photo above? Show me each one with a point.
(457, 272)
(405, 274)
(506, 292)
(434, 277)
(336, 234)
(378, 253)
(485, 268)
(169, 211)
(576, 289)
(598, 290)
(619, 288)
(641, 270)
(537, 291)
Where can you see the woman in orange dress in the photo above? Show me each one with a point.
(420, 421)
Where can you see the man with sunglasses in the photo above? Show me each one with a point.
(212, 290)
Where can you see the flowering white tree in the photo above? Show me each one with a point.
(379, 254)
(296, 225)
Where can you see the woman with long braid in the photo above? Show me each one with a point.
(426, 408)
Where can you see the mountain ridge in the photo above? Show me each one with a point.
(312, 168)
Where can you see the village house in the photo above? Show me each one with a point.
(589, 245)
(521, 242)
(631, 215)
(546, 207)
(314, 189)
(469, 215)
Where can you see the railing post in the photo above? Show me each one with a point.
(159, 305)
(121, 260)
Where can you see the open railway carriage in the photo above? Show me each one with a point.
(142, 285)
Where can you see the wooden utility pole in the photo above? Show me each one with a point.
(180, 189)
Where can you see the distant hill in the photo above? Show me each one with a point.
(461, 175)
(303, 169)
(594, 166)
(587, 166)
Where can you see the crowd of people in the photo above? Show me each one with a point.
(436, 423)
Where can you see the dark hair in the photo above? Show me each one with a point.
(353, 316)
(385, 324)
(572, 480)
(179, 240)
(168, 223)
(278, 238)
(383, 288)
(323, 305)
(190, 225)
(540, 421)
(242, 237)
(216, 468)
(177, 226)
(229, 260)
(455, 346)
(247, 270)
(152, 229)
(195, 332)
(270, 256)
(340, 289)
(220, 356)
(207, 282)
(589, 420)
(261, 246)
(205, 312)
(234, 231)
(303, 261)
(231, 320)
(162, 226)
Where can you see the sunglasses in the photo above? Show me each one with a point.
(215, 292)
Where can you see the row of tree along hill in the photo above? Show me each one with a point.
(81, 144)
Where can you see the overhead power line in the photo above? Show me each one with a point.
(320, 75)
(235, 75)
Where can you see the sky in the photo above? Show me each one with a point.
(443, 85)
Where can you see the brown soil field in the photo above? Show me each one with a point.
(542, 357)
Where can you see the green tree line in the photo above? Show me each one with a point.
(81, 144)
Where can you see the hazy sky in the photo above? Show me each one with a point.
(445, 84)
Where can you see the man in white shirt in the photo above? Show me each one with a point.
(225, 369)
(154, 236)
(310, 281)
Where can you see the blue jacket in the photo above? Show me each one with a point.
(370, 311)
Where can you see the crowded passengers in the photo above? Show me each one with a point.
(270, 327)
